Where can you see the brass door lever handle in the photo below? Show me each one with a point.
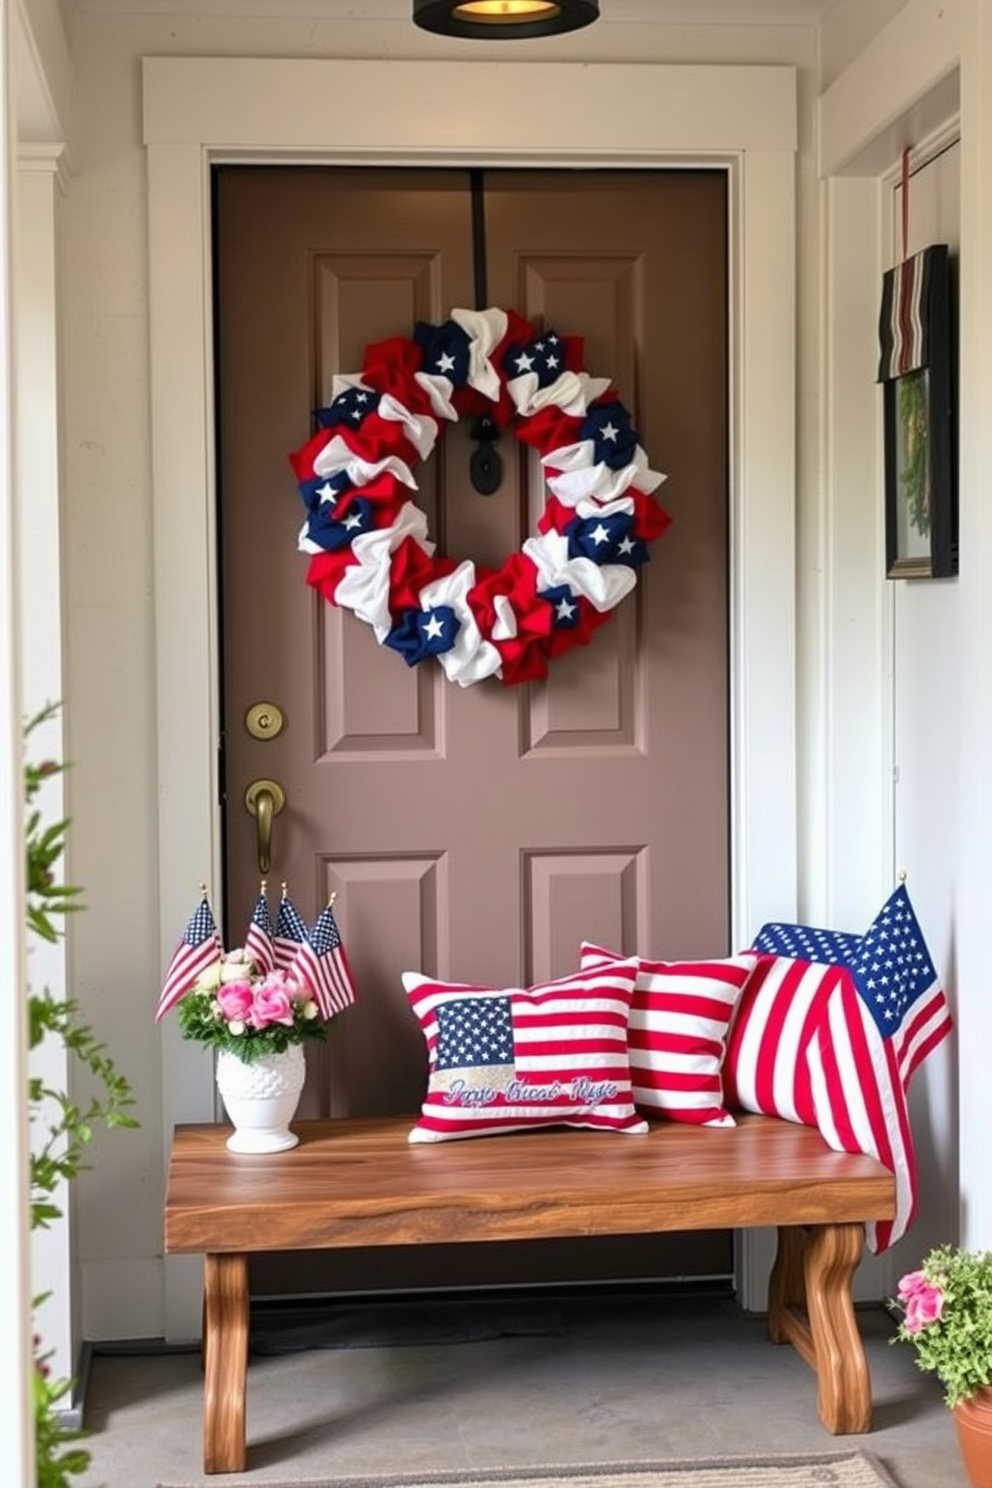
(264, 799)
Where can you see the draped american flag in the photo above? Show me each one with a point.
(321, 962)
(199, 948)
(829, 1032)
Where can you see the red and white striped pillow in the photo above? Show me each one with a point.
(508, 1059)
(677, 1036)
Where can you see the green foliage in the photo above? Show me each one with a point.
(57, 1458)
(68, 1126)
(201, 1017)
(956, 1344)
(45, 845)
(914, 424)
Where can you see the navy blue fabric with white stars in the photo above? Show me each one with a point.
(331, 533)
(323, 490)
(201, 925)
(474, 1031)
(613, 435)
(445, 350)
(890, 963)
(893, 966)
(564, 606)
(421, 633)
(606, 540)
(325, 935)
(544, 356)
(349, 409)
(290, 925)
(805, 943)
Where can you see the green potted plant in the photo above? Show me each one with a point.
(946, 1314)
(257, 1006)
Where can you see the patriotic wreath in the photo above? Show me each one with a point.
(370, 551)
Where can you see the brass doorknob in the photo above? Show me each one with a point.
(264, 799)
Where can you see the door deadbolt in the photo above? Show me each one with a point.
(265, 720)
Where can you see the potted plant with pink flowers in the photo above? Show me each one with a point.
(257, 1021)
(257, 1006)
(946, 1314)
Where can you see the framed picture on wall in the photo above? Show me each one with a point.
(917, 373)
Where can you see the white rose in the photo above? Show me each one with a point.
(310, 1010)
(236, 967)
(209, 980)
(237, 1028)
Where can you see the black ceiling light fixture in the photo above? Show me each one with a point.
(504, 20)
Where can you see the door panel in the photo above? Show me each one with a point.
(644, 279)
(481, 833)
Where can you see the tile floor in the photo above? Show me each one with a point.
(613, 1376)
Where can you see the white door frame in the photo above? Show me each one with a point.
(199, 111)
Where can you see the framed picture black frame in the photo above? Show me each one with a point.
(918, 376)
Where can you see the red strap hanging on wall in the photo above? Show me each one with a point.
(904, 278)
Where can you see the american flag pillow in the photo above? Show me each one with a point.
(677, 1037)
(512, 1058)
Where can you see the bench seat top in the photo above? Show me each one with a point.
(359, 1182)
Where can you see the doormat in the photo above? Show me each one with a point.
(824, 1470)
(291, 1331)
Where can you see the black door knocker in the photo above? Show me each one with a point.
(485, 466)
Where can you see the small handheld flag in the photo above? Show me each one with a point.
(291, 933)
(321, 961)
(260, 940)
(199, 948)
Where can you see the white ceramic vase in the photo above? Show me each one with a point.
(261, 1098)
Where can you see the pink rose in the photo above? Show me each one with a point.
(923, 1306)
(235, 999)
(280, 981)
(913, 1281)
(271, 1005)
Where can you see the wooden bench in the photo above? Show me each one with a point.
(360, 1183)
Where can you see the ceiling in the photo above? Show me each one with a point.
(36, 123)
(699, 12)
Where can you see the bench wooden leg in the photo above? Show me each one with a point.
(225, 1362)
(811, 1306)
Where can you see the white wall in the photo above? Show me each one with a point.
(926, 670)
(40, 563)
(41, 90)
(850, 26)
(910, 82)
(973, 858)
(16, 1391)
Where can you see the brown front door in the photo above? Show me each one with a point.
(479, 833)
